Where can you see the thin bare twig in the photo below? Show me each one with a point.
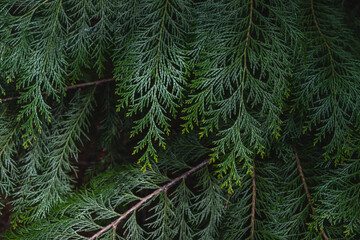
(87, 84)
(252, 230)
(227, 201)
(308, 196)
(253, 204)
(143, 200)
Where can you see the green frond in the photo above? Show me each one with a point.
(327, 74)
(37, 59)
(180, 120)
(151, 77)
(80, 36)
(31, 164)
(110, 192)
(242, 78)
(9, 139)
(52, 182)
(104, 15)
(159, 221)
(207, 210)
(341, 183)
(184, 215)
(111, 127)
(133, 230)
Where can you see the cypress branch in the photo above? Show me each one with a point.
(8, 144)
(253, 204)
(308, 196)
(321, 34)
(75, 86)
(242, 79)
(148, 197)
(51, 183)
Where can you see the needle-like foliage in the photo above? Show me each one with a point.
(175, 119)
(9, 130)
(242, 78)
(328, 80)
(151, 77)
(50, 183)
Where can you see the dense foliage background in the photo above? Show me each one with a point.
(175, 119)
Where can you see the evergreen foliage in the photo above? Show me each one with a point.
(215, 119)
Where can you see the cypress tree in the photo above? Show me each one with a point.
(175, 119)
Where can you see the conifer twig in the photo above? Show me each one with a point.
(317, 25)
(322, 36)
(227, 201)
(87, 84)
(143, 200)
(249, 27)
(253, 204)
(308, 196)
(246, 45)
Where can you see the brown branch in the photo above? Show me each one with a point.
(249, 27)
(227, 201)
(253, 204)
(317, 25)
(143, 200)
(87, 84)
(308, 196)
